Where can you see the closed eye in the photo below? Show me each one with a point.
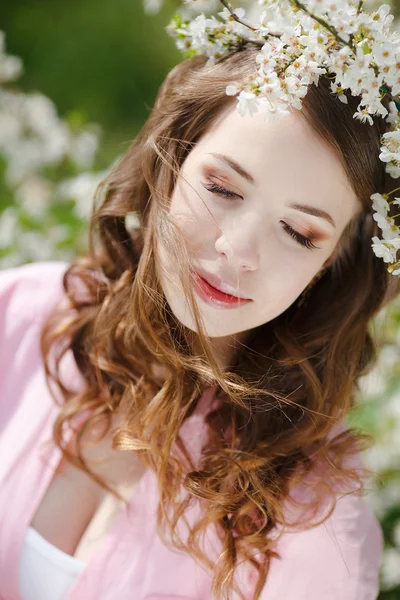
(302, 240)
(216, 189)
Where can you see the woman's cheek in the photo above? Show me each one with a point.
(283, 283)
(193, 214)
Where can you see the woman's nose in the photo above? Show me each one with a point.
(240, 250)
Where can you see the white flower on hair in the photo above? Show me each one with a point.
(383, 53)
(393, 170)
(295, 90)
(291, 40)
(391, 234)
(314, 39)
(276, 112)
(380, 204)
(297, 67)
(393, 137)
(266, 62)
(268, 83)
(390, 150)
(336, 62)
(392, 78)
(381, 19)
(375, 106)
(336, 89)
(384, 250)
(388, 155)
(247, 103)
(232, 89)
(363, 116)
(383, 224)
(198, 30)
(352, 78)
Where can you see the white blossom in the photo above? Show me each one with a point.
(247, 103)
(383, 250)
(380, 204)
(391, 568)
(35, 141)
(10, 66)
(34, 196)
(152, 7)
(363, 116)
(232, 89)
(8, 226)
(81, 189)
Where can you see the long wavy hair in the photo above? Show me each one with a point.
(285, 390)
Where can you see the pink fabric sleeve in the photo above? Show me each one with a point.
(337, 560)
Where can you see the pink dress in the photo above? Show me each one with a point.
(338, 560)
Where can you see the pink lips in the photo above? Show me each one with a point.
(214, 296)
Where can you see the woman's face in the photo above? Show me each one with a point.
(261, 206)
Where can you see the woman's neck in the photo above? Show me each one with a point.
(223, 348)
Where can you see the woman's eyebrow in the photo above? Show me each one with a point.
(235, 166)
(305, 208)
(312, 210)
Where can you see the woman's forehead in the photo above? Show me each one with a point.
(257, 138)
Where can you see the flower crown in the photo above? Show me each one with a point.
(298, 42)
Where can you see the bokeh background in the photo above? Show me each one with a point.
(77, 80)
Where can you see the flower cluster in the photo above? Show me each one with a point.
(386, 248)
(299, 42)
(10, 66)
(188, 8)
(378, 411)
(46, 181)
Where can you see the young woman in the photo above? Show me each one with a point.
(200, 363)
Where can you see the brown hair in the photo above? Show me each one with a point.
(295, 379)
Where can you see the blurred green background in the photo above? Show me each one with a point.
(98, 61)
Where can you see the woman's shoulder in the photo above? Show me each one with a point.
(28, 291)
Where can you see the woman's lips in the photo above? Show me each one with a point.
(215, 297)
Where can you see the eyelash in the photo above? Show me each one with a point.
(300, 239)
